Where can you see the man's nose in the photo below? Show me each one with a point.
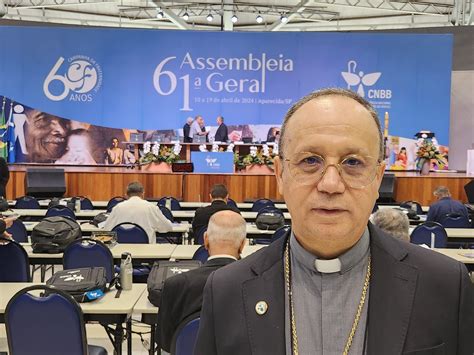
(331, 182)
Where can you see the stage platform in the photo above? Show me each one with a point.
(103, 182)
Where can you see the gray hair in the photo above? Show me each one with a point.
(227, 227)
(134, 188)
(189, 120)
(333, 92)
(441, 191)
(393, 222)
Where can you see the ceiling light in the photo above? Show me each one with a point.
(160, 14)
(185, 16)
(234, 18)
(209, 17)
(259, 19)
(284, 18)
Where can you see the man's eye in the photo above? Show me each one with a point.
(354, 162)
(311, 161)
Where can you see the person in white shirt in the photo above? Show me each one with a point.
(139, 211)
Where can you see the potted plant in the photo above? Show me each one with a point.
(158, 158)
(258, 161)
(426, 153)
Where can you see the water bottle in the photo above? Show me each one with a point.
(126, 271)
(78, 205)
(168, 203)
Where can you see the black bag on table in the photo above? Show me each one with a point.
(270, 219)
(84, 284)
(162, 270)
(3, 204)
(53, 234)
(99, 218)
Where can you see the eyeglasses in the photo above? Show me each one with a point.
(356, 171)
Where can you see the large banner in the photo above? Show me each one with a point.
(154, 80)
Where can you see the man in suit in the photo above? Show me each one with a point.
(445, 205)
(182, 294)
(4, 177)
(221, 133)
(219, 196)
(336, 284)
(186, 130)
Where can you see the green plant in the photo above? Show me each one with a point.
(160, 154)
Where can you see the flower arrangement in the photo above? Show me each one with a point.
(263, 156)
(427, 150)
(160, 153)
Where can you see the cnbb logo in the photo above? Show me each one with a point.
(364, 80)
(81, 77)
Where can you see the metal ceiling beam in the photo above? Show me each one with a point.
(291, 14)
(227, 13)
(179, 22)
(58, 4)
(391, 6)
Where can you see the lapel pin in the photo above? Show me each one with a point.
(261, 308)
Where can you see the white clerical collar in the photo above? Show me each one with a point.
(343, 263)
(221, 256)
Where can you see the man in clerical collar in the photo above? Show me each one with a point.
(336, 284)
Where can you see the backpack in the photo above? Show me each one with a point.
(83, 284)
(162, 270)
(270, 219)
(53, 234)
(99, 218)
(3, 204)
(55, 201)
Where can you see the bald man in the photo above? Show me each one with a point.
(182, 294)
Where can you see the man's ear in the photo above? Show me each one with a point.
(278, 165)
(206, 241)
(242, 246)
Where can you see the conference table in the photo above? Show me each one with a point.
(114, 308)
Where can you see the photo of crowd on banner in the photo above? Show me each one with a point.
(31, 136)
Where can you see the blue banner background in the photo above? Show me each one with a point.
(213, 162)
(111, 75)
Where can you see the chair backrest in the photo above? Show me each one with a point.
(56, 316)
(422, 235)
(86, 204)
(113, 202)
(18, 231)
(175, 205)
(412, 205)
(166, 212)
(261, 203)
(199, 235)
(86, 252)
(280, 232)
(455, 220)
(128, 232)
(232, 203)
(201, 254)
(27, 203)
(14, 262)
(60, 210)
(184, 337)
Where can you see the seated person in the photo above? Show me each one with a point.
(6, 222)
(394, 222)
(139, 211)
(182, 294)
(219, 196)
(445, 205)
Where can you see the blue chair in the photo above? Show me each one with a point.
(56, 316)
(412, 205)
(232, 203)
(261, 203)
(170, 237)
(199, 235)
(86, 204)
(27, 203)
(201, 254)
(422, 235)
(280, 232)
(175, 205)
(86, 252)
(14, 262)
(18, 231)
(185, 336)
(166, 212)
(132, 233)
(455, 220)
(113, 202)
(60, 210)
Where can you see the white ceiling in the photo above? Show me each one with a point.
(304, 15)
